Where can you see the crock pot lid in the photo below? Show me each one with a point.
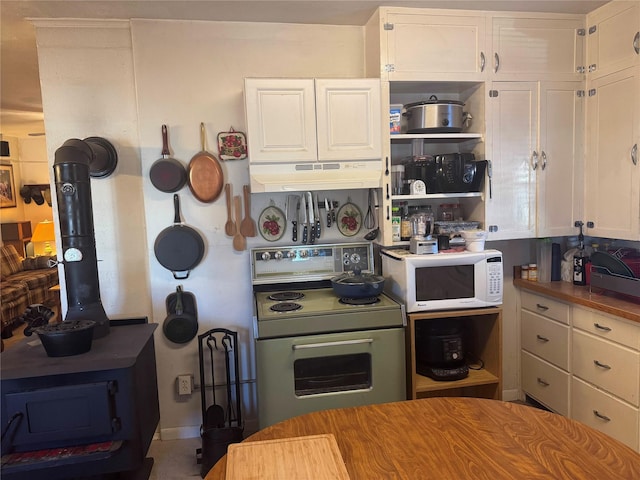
(433, 102)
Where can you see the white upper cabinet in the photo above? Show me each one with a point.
(513, 132)
(348, 119)
(307, 120)
(537, 48)
(613, 38)
(281, 119)
(560, 186)
(434, 45)
(612, 192)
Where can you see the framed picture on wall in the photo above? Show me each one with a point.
(7, 187)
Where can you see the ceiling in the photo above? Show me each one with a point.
(20, 99)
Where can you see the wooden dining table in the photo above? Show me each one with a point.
(459, 438)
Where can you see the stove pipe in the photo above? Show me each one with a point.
(75, 161)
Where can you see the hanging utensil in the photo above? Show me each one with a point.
(316, 212)
(369, 222)
(181, 323)
(229, 226)
(293, 204)
(328, 209)
(205, 173)
(312, 222)
(214, 416)
(373, 234)
(248, 225)
(239, 242)
(305, 224)
(232, 145)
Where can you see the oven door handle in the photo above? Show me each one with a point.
(332, 344)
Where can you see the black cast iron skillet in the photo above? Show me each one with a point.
(167, 174)
(179, 248)
(181, 326)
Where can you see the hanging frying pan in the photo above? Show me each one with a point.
(206, 179)
(179, 248)
(167, 174)
(181, 324)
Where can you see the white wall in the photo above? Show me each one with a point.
(106, 79)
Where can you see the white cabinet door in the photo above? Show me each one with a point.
(428, 46)
(560, 185)
(612, 197)
(348, 119)
(537, 48)
(510, 208)
(281, 120)
(613, 41)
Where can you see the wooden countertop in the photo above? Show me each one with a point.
(619, 306)
(459, 438)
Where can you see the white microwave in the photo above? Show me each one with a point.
(443, 281)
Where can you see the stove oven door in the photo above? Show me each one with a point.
(299, 375)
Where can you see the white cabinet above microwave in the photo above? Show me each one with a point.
(313, 134)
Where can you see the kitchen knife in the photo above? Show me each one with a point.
(293, 204)
(312, 222)
(316, 212)
(305, 225)
(328, 209)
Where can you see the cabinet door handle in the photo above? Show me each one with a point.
(601, 327)
(544, 308)
(482, 61)
(636, 42)
(601, 416)
(634, 154)
(544, 160)
(534, 160)
(497, 59)
(542, 382)
(339, 343)
(602, 365)
(542, 339)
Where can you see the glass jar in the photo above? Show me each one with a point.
(405, 225)
(428, 212)
(395, 224)
(446, 212)
(456, 212)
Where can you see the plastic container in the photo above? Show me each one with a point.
(474, 239)
(397, 179)
(543, 259)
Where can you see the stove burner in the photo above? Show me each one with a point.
(288, 296)
(285, 307)
(359, 301)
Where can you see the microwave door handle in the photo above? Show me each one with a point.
(332, 344)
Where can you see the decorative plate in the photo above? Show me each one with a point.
(272, 223)
(349, 219)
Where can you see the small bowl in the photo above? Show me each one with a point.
(67, 338)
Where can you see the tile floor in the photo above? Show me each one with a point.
(174, 459)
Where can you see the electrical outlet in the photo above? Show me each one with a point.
(184, 384)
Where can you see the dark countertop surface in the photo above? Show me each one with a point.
(607, 302)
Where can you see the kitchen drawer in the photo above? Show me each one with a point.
(546, 306)
(546, 383)
(606, 326)
(607, 365)
(545, 338)
(604, 412)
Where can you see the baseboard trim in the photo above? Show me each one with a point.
(511, 395)
(193, 431)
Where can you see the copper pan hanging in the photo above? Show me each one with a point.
(206, 179)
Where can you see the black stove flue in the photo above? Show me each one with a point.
(75, 162)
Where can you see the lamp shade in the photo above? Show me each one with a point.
(44, 232)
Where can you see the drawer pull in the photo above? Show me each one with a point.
(541, 338)
(601, 416)
(544, 308)
(600, 327)
(542, 382)
(601, 365)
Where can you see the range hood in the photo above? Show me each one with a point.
(292, 177)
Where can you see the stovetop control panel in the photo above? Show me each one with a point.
(308, 262)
